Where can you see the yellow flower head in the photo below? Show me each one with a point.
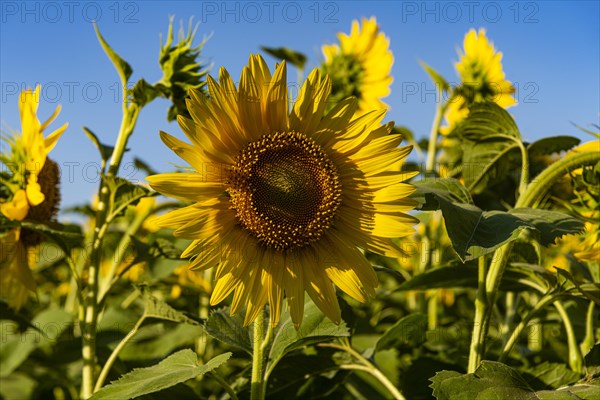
(28, 158)
(482, 79)
(283, 199)
(360, 66)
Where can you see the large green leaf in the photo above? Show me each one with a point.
(177, 368)
(474, 232)
(16, 347)
(65, 236)
(406, 332)
(489, 136)
(123, 68)
(461, 276)
(315, 328)
(494, 380)
(551, 145)
(448, 189)
(550, 224)
(549, 376)
(229, 329)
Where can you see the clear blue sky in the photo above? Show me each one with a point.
(551, 53)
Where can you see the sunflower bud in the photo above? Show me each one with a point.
(181, 70)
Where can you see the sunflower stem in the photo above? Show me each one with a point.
(92, 307)
(433, 136)
(575, 357)
(477, 346)
(257, 388)
(366, 366)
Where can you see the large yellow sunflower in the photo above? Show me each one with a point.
(28, 189)
(360, 66)
(284, 200)
(482, 79)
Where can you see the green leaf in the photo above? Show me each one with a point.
(123, 68)
(123, 194)
(449, 189)
(160, 341)
(177, 368)
(143, 93)
(155, 308)
(105, 151)
(474, 232)
(549, 376)
(490, 380)
(283, 53)
(406, 332)
(550, 224)
(228, 329)
(460, 276)
(436, 77)
(551, 145)
(16, 347)
(315, 328)
(489, 136)
(66, 237)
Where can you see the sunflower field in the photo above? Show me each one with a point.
(299, 248)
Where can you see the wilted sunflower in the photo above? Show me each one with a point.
(360, 66)
(29, 190)
(482, 79)
(284, 199)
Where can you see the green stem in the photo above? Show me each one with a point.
(257, 391)
(511, 300)
(588, 341)
(366, 366)
(524, 166)
(543, 182)
(91, 308)
(433, 136)
(523, 324)
(575, 357)
(113, 356)
(203, 311)
(121, 250)
(477, 347)
(224, 385)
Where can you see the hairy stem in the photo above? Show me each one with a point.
(257, 388)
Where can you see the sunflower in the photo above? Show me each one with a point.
(28, 190)
(360, 66)
(482, 79)
(283, 200)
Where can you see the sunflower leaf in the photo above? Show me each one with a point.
(436, 77)
(123, 68)
(449, 189)
(474, 232)
(228, 329)
(551, 145)
(105, 150)
(177, 368)
(155, 308)
(65, 236)
(123, 194)
(315, 328)
(406, 332)
(489, 137)
(16, 347)
(283, 53)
